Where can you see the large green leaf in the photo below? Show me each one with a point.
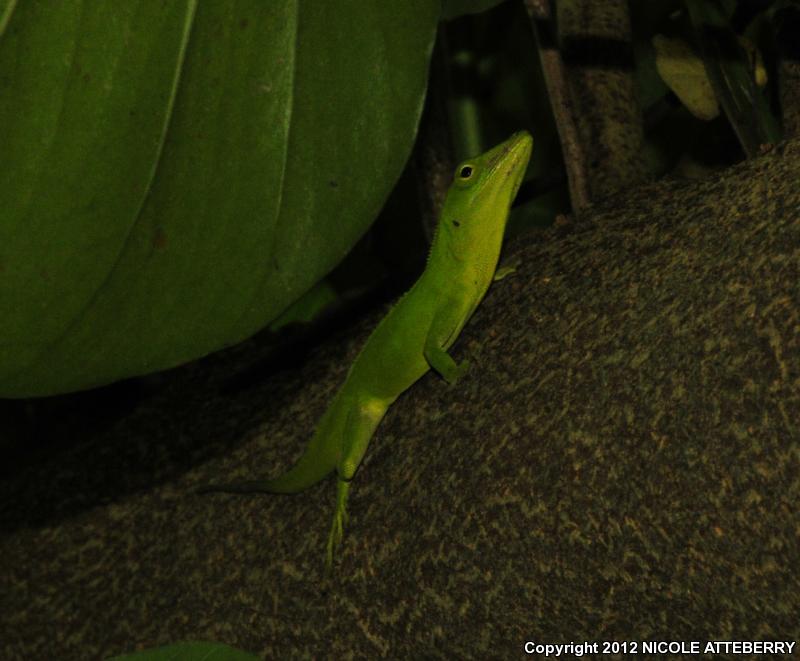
(175, 174)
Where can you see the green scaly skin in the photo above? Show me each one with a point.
(417, 332)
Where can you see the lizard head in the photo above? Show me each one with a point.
(478, 202)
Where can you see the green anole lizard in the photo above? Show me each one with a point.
(417, 332)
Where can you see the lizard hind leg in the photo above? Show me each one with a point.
(362, 420)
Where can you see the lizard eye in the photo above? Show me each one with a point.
(465, 172)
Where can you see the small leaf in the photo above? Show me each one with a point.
(729, 71)
(306, 308)
(683, 72)
(193, 651)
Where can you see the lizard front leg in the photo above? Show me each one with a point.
(446, 323)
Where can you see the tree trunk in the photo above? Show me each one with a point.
(621, 463)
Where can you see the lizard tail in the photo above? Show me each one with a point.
(316, 463)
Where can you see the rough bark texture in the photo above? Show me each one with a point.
(787, 23)
(790, 97)
(596, 49)
(621, 463)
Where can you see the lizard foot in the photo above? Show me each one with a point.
(339, 522)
